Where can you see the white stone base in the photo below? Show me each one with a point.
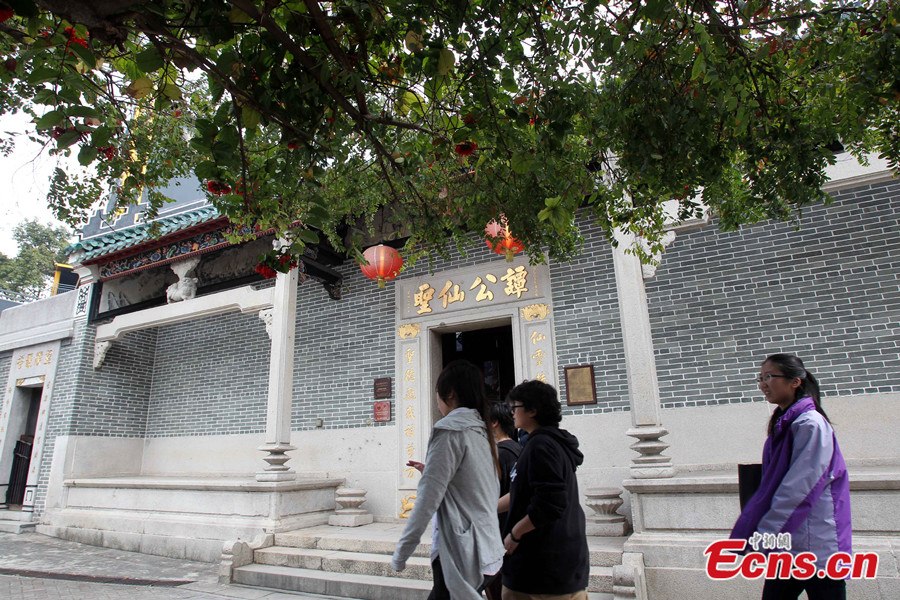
(607, 529)
(183, 517)
(351, 520)
(676, 519)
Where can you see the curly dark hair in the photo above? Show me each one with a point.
(540, 397)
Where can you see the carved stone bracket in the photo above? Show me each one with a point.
(265, 316)
(605, 521)
(186, 287)
(651, 464)
(349, 513)
(100, 350)
(649, 270)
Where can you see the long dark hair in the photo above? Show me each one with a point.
(465, 381)
(791, 366)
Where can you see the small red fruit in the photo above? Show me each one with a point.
(466, 148)
(6, 14)
(265, 270)
(217, 188)
(293, 145)
(10, 64)
(469, 119)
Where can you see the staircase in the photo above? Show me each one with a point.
(355, 562)
(16, 521)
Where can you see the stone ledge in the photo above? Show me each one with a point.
(224, 484)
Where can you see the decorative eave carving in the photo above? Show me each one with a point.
(408, 331)
(535, 312)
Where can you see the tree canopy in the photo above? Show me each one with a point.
(27, 275)
(441, 115)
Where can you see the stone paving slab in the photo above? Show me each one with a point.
(13, 587)
(36, 554)
(38, 567)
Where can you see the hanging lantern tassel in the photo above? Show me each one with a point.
(384, 264)
(500, 239)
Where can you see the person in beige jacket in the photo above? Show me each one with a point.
(458, 491)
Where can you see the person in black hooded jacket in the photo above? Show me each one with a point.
(544, 536)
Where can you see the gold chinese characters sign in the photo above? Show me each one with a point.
(474, 287)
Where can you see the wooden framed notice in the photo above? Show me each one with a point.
(383, 388)
(382, 411)
(580, 387)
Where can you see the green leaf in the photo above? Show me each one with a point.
(446, 60)
(206, 170)
(42, 75)
(149, 60)
(699, 68)
(308, 236)
(139, 88)
(172, 91)
(101, 136)
(50, 119)
(67, 139)
(84, 54)
(249, 117)
(87, 154)
(84, 111)
(238, 16)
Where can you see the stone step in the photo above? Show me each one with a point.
(378, 565)
(344, 585)
(16, 526)
(371, 539)
(340, 561)
(381, 538)
(606, 551)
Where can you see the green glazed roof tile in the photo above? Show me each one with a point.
(138, 234)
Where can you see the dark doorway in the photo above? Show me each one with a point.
(491, 350)
(18, 476)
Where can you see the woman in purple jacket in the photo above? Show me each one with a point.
(805, 489)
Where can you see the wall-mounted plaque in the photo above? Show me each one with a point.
(382, 411)
(383, 388)
(580, 387)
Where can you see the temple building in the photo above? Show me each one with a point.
(176, 401)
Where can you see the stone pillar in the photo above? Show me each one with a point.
(640, 364)
(281, 380)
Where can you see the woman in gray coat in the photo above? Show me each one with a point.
(458, 491)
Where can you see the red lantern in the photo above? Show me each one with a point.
(500, 239)
(384, 263)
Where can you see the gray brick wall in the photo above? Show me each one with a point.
(210, 377)
(828, 292)
(587, 324)
(342, 346)
(5, 364)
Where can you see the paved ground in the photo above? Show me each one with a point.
(37, 567)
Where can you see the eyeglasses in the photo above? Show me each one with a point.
(769, 376)
(515, 405)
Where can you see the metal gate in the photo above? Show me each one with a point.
(15, 493)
